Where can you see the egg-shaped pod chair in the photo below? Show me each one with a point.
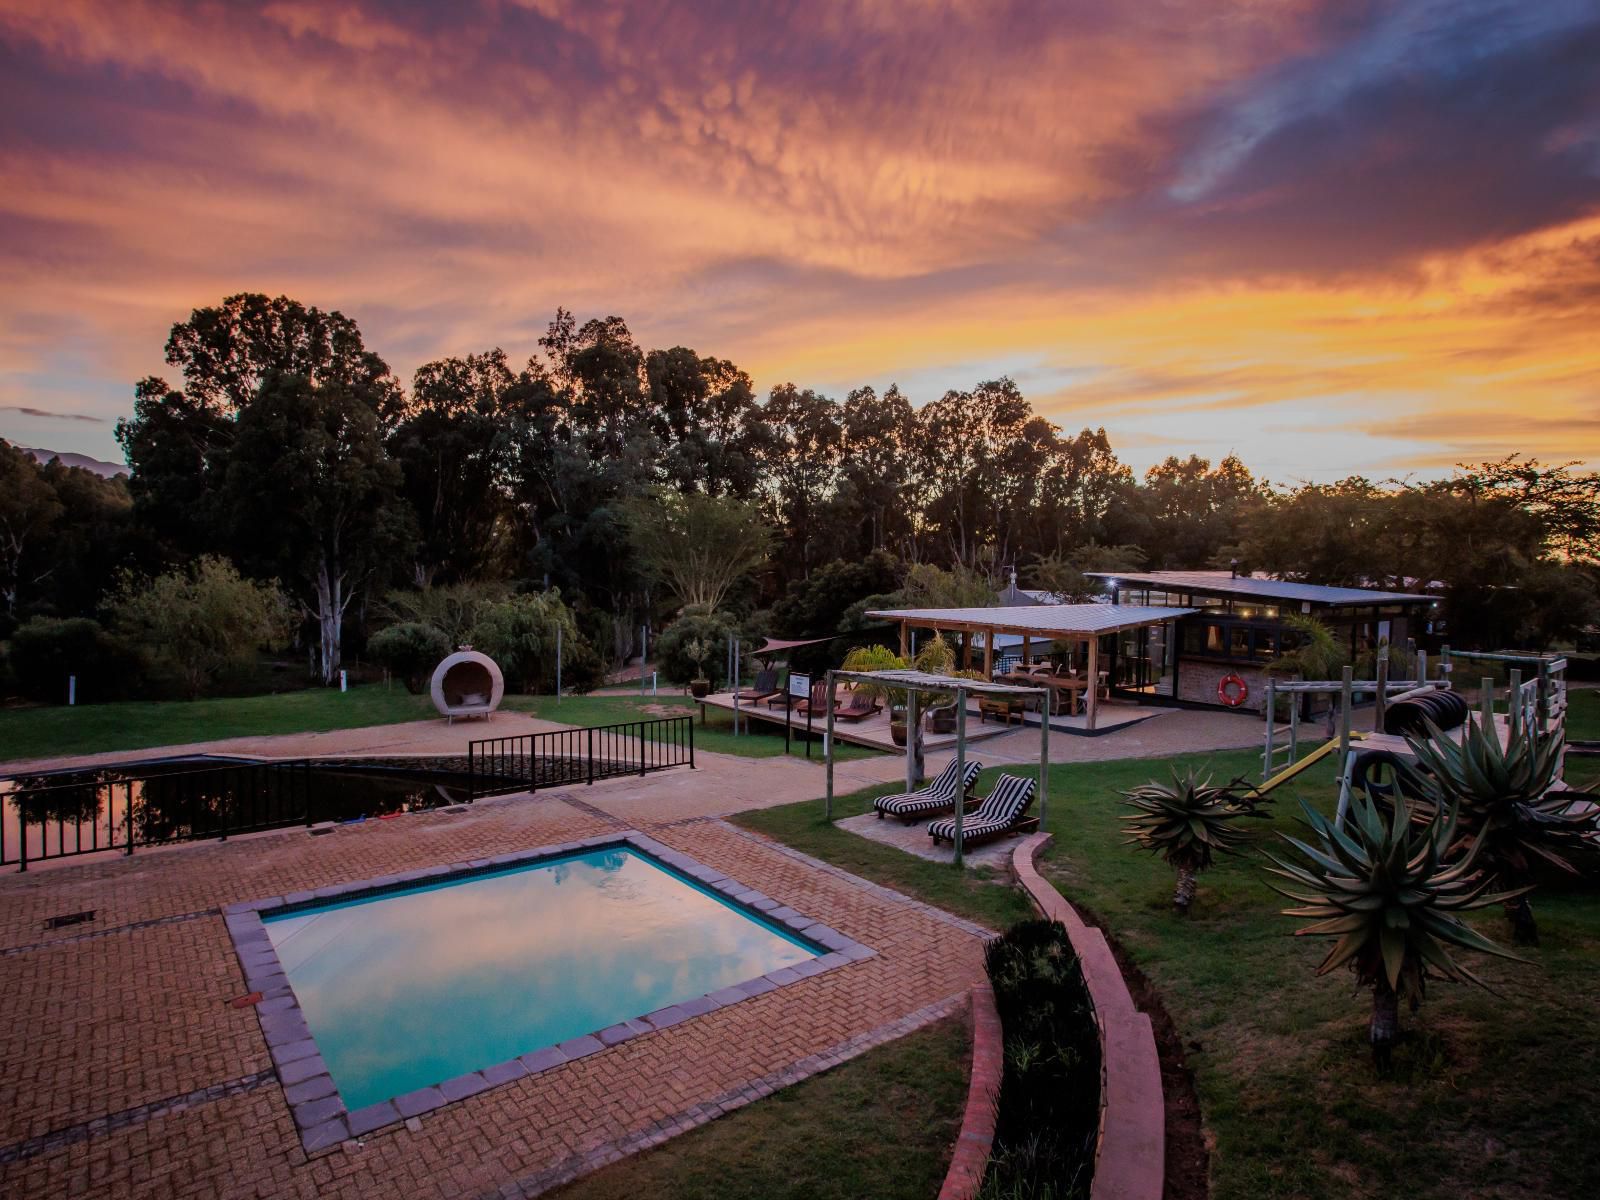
(467, 684)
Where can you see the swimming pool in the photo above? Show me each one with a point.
(388, 998)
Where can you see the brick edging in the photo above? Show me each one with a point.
(971, 1157)
(1131, 1150)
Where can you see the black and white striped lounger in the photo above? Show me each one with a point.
(1003, 811)
(938, 796)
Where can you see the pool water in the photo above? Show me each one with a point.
(407, 989)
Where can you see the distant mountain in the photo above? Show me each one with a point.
(70, 459)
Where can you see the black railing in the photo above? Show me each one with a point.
(532, 761)
(45, 816)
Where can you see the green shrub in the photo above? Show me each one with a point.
(409, 651)
(671, 650)
(46, 650)
(201, 621)
(520, 635)
(1048, 1115)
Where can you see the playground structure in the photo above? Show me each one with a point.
(1536, 687)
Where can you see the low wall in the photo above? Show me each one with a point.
(1130, 1159)
(971, 1158)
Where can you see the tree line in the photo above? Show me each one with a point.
(635, 483)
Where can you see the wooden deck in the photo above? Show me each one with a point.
(873, 731)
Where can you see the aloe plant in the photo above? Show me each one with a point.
(1502, 798)
(1187, 822)
(1387, 887)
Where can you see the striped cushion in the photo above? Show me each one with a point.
(941, 793)
(1001, 809)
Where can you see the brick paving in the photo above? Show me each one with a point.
(126, 1072)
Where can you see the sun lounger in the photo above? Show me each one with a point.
(817, 703)
(938, 796)
(766, 685)
(857, 707)
(1003, 811)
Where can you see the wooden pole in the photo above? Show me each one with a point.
(1382, 700)
(913, 771)
(1294, 725)
(1027, 649)
(988, 654)
(1272, 717)
(827, 747)
(905, 640)
(1345, 689)
(1044, 756)
(1486, 700)
(961, 764)
(1092, 680)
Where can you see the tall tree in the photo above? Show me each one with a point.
(875, 479)
(311, 495)
(455, 449)
(801, 455)
(28, 508)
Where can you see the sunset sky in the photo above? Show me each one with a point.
(1336, 237)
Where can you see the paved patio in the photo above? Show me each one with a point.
(127, 1072)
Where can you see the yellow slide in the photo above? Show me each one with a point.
(1289, 772)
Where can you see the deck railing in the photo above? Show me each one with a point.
(531, 761)
(43, 817)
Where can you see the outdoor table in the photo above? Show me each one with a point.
(1072, 685)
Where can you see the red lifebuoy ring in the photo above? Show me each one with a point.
(1232, 691)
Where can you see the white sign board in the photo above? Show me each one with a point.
(799, 685)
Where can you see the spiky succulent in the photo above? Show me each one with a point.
(1187, 822)
(1387, 888)
(1502, 796)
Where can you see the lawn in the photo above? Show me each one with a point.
(881, 1126)
(1491, 1095)
(38, 731)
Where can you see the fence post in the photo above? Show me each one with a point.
(642, 727)
(22, 837)
(222, 813)
(128, 797)
(591, 756)
(690, 722)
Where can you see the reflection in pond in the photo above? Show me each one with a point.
(82, 811)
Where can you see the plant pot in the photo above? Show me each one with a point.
(897, 730)
(699, 688)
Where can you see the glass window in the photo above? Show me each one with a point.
(1239, 642)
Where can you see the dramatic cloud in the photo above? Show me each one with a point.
(1225, 226)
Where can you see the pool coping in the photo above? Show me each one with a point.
(319, 1112)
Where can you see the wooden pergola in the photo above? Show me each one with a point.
(1082, 624)
(918, 683)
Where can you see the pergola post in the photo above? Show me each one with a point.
(827, 742)
(1027, 650)
(905, 638)
(913, 765)
(1044, 756)
(961, 765)
(1092, 679)
(988, 654)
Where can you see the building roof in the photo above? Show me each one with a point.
(1226, 583)
(1083, 620)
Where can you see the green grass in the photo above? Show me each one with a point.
(879, 1126)
(716, 734)
(1488, 1091)
(37, 732)
(1583, 715)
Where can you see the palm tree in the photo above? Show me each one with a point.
(1384, 884)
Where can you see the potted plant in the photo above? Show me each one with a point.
(697, 651)
(881, 658)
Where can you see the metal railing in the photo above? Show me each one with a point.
(532, 761)
(42, 817)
